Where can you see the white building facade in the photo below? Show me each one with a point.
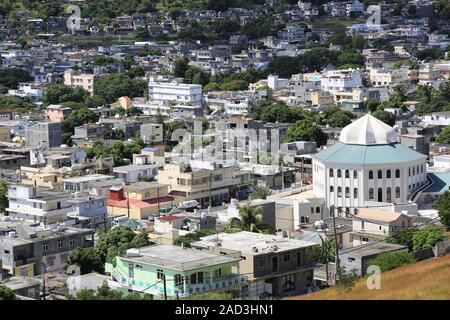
(165, 92)
(368, 165)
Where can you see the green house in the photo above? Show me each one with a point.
(186, 271)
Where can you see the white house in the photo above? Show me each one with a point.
(173, 91)
(341, 80)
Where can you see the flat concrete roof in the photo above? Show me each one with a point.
(371, 249)
(174, 257)
(245, 241)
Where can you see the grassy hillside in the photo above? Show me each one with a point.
(425, 280)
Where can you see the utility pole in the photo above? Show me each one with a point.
(43, 281)
(338, 269)
(157, 195)
(165, 287)
(128, 207)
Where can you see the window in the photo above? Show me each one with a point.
(24, 272)
(347, 174)
(347, 212)
(331, 189)
(317, 209)
(262, 262)
(339, 190)
(159, 274)
(380, 174)
(50, 261)
(312, 210)
(350, 259)
(421, 168)
(409, 172)
(397, 173)
(388, 195)
(45, 246)
(339, 173)
(397, 192)
(414, 171)
(331, 173)
(197, 278)
(178, 280)
(299, 258)
(71, 242)
(362, 225)
(388, 174)
(60, 244)
(355, 174)
(355, 193)
(347, 192)
(289, 283)
(370, 174)
(371, 193)
(218, 272)
(364, 239)
(286, 257)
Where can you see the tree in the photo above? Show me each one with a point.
(260, 192)
(191, 237)
(58, 93)
(347, 280)
(4, 202)
(426, 238)
(429, 54)
(358, 42)
(87, 259)
(385, 116)
(11, 78)
(142, 34)
(6, 293)
(234, 85)
(444, 136)
(284, 66)
(390, 260)
(443, 208)
(371, 105)
(404, 237)
(304, 130)
(350, 58)
(324, 253)
(113, 86)
(106, 293)
(250, 220)
(339, 119)
(180, 67)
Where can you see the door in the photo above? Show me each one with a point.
(274, 264)
(380, 195)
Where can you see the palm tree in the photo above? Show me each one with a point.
(260, 192)
(325, 253)
(250, 220)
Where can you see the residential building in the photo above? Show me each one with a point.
(180, 93)
(29, 248)
(83, 183)
(89, 206)
(275, 266)
(437, 119)
(136, 172)
(152, 132)
(357, 258)
(43, 135)
(5, 134)
(185, 271)
(76, 79)
(37, 204)
(57, 112)
(208, 183)
(341, 80)
(372, 225)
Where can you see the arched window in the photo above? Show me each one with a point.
(380, 195)
(302, 219)
(347, 212)
(380, 174)
(414, 171)
(339, 173)
(371, 193)
(355, 193)
(331, 189)
(397, 192)
(347, 174)
(409, 172)
(388, 174)
(317, 209)
(312, 210)
(355, 174)
(388, 195)
(421, 168)
(347, 192)
(331, 173)
(370, 174)
(339, 192)
(397, 173)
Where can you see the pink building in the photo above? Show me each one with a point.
(57, 113)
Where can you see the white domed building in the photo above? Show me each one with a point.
(367, 165)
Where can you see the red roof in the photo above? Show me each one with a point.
(133, 203)
(170, 218)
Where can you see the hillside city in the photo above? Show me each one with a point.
(224, 149)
